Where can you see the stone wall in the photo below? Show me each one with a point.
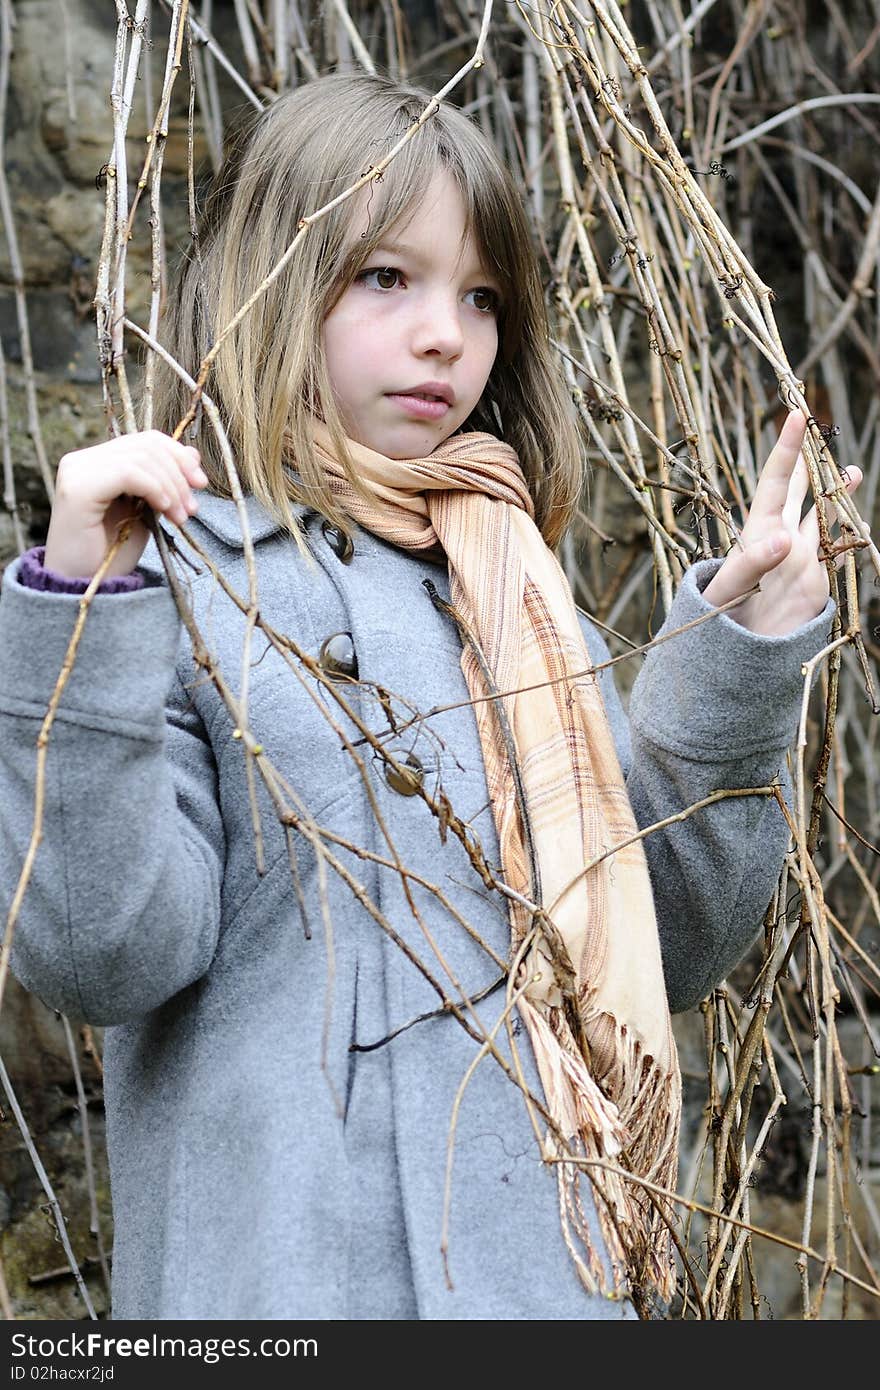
(58, 136)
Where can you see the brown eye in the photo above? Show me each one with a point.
(383, 277)
(485, 300)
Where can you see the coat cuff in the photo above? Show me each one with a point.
(123, 667)
(34, 575)
(719, 691)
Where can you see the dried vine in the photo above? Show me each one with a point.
(650, 162)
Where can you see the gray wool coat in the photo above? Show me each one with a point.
(260, 1168)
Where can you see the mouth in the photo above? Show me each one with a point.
(430, 391)
(424, 403)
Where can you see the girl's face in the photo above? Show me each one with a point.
(410, 344)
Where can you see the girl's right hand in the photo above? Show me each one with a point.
(96, 490)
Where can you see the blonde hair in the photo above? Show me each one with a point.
(270, 376)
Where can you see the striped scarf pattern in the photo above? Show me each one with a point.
(589, 978)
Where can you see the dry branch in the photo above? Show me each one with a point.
(643, 159)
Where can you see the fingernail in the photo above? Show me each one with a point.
(777, 545)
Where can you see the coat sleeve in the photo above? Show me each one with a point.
(714, 708)
(122, 908)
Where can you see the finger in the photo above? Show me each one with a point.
(140, 482)
(772, 491)
(745, 566)
(809, 527)
(180, 463)
(852, 476)
(163, 451)
(799, 486)
(174, 496)
(187, 458)
(175, 488)
(193, 468)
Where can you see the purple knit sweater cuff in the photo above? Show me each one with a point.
(33, 575)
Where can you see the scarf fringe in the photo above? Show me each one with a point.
(632, 1124)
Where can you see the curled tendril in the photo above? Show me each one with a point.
(788, 393)
(731, 286)
(827, 431)
(48, 1212)
(138, 27)
(611, 86)
(721, 171)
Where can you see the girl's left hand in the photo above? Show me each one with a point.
(777, 550)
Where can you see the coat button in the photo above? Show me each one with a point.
(337, 656)
(410, 777)
(338, 541)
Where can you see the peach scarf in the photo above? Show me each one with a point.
(590, 980)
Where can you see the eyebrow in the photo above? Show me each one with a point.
(399, 248)
(403, 248)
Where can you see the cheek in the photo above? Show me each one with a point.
(337, 344)
(350, 345)
(489, 354)
(494, 351)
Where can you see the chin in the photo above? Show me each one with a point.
(417, 445)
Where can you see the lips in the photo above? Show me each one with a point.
(420, 407)
(429, 391)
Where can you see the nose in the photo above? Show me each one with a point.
(438, 329)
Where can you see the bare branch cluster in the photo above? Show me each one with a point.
(652, 164)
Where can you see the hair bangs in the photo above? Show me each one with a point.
(447, 142)
(269, 378)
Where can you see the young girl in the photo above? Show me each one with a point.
(289, 1129)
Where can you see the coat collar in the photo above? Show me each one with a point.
(220, 516)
